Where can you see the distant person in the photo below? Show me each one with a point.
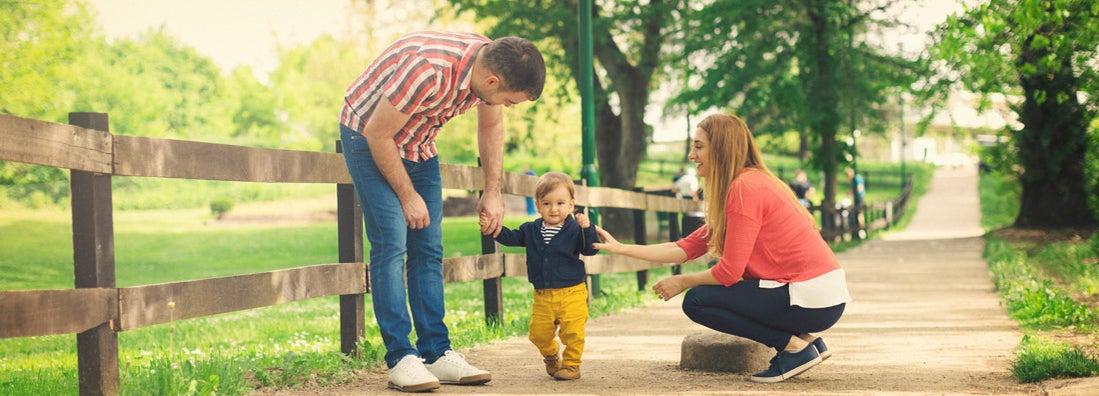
(858, 195)
(391, 116)
(678, 174)
(531, 211)
(776, 281)
(802, 187)
(687, 187)
(858, 187)
(554, 244)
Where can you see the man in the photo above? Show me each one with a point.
(391, 116)
(858, 194)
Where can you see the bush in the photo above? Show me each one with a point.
(219, 207)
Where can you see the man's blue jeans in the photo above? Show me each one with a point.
(390, 240)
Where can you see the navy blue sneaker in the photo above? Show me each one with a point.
(786, 365)
(822, 349)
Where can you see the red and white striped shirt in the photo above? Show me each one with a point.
(426, 75)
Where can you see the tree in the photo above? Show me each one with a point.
(1043, 52)
(155, 86)
(628, 43)
(803, 65)
(310, 83)
(42, 45)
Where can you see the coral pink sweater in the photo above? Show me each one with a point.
(767, 237)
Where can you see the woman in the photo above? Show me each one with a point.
(776, 281)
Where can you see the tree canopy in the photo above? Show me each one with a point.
(1042, 55)
(809, 66)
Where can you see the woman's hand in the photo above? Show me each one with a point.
(609, 244)
(668, 288)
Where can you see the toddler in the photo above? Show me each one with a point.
(554, 243)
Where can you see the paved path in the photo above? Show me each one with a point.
(924, 320)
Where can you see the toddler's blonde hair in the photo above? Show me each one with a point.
(550, 181)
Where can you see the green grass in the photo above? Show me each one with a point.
(1041, 359)
(281, 346)
(999, 197)
(1041, 282)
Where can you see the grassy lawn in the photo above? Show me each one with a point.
(1049, 281)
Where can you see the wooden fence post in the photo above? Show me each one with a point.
(493, 287)
(349, 225)
(640, 237)
(93, 266)
(673, 235)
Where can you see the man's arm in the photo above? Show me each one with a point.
(379, 131)
(490, 145)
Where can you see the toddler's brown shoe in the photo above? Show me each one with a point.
(552, 364)
(567, 373)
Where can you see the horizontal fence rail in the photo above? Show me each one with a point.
(95, 310)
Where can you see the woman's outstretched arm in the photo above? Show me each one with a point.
(667, 252)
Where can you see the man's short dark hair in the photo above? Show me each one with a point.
(518, 63)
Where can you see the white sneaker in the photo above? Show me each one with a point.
(410, 375)
(452, 368)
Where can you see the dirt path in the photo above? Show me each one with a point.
(924, 320)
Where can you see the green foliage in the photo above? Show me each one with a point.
(1076, 262)
(1041, 55)
(1038, 282)
(43, 44)
(999, 195)
(197, 375)
(308, 86)
(1041, 359)
(629, 39)
(790, 66)
(219, 207)
(1031, 297)
(293, 370)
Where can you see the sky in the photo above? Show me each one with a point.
(231, 32)
(249, 32)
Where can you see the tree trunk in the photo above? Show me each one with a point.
(822, 107)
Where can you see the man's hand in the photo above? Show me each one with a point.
(415, 212)
(491, 208)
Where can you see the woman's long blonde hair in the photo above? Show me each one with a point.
(731, 150)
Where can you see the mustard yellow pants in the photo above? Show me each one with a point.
(560, 313)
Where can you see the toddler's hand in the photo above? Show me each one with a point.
(583, 220)
(482, 220)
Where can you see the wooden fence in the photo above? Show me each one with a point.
(96, 310)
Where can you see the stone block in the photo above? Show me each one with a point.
(720, 352)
